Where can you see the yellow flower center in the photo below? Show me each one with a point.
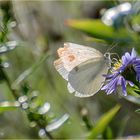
(117, 65)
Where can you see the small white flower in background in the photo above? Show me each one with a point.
(112, 14)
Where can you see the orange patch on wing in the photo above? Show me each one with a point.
(61, 51)
(71, 58)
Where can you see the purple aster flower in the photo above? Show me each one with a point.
(126, 67)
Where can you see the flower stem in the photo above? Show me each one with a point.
(13, 91)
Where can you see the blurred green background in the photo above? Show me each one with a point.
(40, 28)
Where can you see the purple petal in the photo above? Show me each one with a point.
(124, 59)
(123, 86)
(127, 55)
(130, 83)
(108, 76)
(138, 59)
(110, 91)
(115, 79)
(133, 53)
(119, 80)
(108, 85)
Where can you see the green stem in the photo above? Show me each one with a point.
(9, 84)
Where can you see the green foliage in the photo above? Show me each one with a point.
(97, 29)
(8, 106)
(138, 110)
(108, 134)
(103, 122)
(29, 71)
(133, 99)
(30, 57)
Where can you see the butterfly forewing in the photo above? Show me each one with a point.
(82, 67)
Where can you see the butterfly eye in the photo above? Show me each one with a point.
(107, 55)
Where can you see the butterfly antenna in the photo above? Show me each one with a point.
(113, 45)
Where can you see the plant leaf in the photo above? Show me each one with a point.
(29, 71)
(7, 106)
(133, 99)
(138, 110)
(97, 29)
(133, 91)
(108, 133)
(103, 122)
(57, 123)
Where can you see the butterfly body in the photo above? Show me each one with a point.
(83, 67)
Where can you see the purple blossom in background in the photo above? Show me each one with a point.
(116, 78)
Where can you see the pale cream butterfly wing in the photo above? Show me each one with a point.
(74, 56)
(87, 78)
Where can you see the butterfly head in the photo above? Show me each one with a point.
(107, 56)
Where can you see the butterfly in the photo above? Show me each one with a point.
(83, 67)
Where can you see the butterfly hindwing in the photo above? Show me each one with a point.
(87, 78)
